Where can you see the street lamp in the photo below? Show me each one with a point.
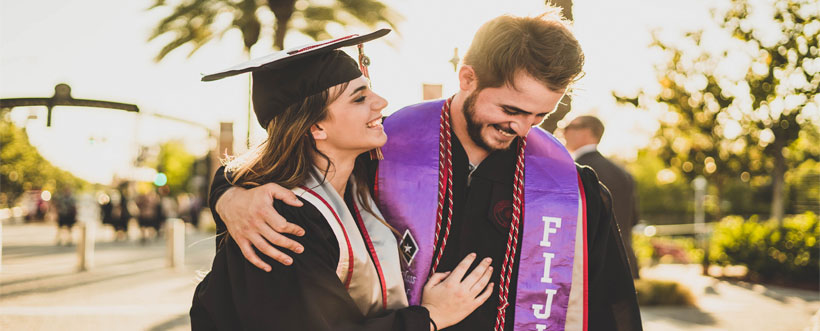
(700, 192)
(62, 97)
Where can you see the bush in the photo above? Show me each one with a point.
(653, 250)
(770, 251)
(662, 292)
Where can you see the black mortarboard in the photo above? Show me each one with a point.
(284, 78)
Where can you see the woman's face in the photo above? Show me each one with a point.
(354, 120)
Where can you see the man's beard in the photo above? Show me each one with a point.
(473, 127)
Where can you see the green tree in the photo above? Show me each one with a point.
(661, 192)
(177, 164)
(22, 168)
(726, 127)
(196, 22)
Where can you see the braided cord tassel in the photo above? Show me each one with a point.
(445, 174)
(449, 153)
(364, 61)
(512, 239)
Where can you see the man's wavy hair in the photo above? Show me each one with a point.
(542, 46)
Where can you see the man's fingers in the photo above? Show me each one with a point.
(476, 273)
(292, 229)
(265, 247)
(482, 282)
(461, 268)
(277, 222)
(280, 240)
(281, 225)
(281, 193)
(250, 255)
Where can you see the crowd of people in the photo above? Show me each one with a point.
(120, 208)
(150, 209)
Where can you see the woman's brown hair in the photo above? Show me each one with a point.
(286, 157)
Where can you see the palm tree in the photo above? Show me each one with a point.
(195, 21)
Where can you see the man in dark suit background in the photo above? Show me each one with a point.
(582, 136)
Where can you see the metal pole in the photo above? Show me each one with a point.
(85, 248)
(700, 184)
(700, 193)
(175, 243)
(1, 244)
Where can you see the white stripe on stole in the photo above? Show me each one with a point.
(344, 260)
(364, 283)
(575, 311)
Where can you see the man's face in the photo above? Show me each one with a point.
(496, 115)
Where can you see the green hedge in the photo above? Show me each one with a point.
(770, 251)
(652, 292)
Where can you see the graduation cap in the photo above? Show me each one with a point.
(284, 78)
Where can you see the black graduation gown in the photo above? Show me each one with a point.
(482, 212)
(307, 295)
(481, 215)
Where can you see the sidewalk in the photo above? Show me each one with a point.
(723, 305)
(130, 288)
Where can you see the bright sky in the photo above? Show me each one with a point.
(99, 48)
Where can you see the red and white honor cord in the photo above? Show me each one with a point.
(512, 239)
(445, 190)
(445, 180)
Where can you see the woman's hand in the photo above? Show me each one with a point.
(450, 296)
(253, 222)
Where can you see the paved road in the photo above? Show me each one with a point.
(130, 288)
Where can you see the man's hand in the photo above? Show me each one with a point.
(253, 222)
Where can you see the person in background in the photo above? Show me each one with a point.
(582, 136)
(124, 208)
(66, 215)
(106, 210)
(150, 211)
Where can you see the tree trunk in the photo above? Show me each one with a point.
(551, 122)
(778, 182)
(283, 11)
(719, 194)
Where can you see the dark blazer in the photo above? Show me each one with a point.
(622, 187)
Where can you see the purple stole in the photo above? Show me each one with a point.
(407, 196)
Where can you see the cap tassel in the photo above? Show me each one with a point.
(364, 62)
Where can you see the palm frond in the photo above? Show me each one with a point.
(370, 12)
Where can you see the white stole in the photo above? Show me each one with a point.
(356, 269)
